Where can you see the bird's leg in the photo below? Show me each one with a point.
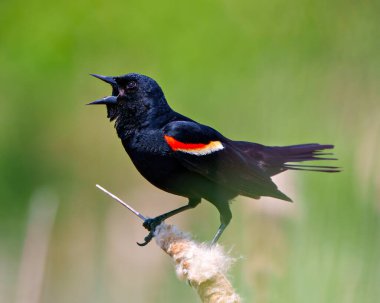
(151, 223)
(225, 218)
(219, 232)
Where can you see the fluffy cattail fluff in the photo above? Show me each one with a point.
(202, 265)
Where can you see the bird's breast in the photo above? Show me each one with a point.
(152, 158)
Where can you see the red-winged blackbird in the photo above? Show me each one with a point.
(189, 159)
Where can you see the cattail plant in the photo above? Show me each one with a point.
(202, 265)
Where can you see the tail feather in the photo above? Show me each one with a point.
(324, 169)
(278, 157)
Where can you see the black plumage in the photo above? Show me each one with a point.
(186, 158)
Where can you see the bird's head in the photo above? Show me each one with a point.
(133, 96)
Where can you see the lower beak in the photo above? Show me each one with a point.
(106, 100)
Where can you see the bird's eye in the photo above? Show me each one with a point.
(131, 86)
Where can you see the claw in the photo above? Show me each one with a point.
(150, 224)
(147, 239)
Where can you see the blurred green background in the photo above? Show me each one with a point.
(273, 72)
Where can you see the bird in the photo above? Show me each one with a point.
(183, 157)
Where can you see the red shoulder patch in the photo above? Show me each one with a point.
(199, 149)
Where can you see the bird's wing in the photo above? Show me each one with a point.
(203, 150)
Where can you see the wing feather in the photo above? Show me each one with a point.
(227, 166)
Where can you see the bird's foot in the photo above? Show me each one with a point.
(150, 224)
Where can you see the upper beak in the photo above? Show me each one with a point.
(109, 80)
(109, 99)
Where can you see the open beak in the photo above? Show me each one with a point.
(110, 99)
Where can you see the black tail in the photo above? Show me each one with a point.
(278, 157)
